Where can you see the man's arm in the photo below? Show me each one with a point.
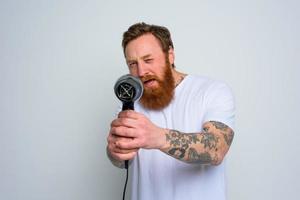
(132, 131)
(208, 147)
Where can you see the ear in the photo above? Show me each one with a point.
(171, 55)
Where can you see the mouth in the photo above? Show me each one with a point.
(149, 82)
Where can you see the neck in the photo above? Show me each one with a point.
(178, 76)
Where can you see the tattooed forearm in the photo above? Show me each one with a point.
(226, 131)
(209, 140)
(200, 158)
(219, 125)
(207, 147)
(180, 143)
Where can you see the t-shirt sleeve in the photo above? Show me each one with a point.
(220, 104)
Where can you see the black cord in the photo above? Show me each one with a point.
(125, 186)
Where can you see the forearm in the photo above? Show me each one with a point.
(117, 163)
(208, 147)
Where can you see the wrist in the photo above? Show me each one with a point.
(164, 144)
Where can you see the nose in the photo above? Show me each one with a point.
(141, 70)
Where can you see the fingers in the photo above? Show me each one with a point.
(117, 149)
(128, 122)
(122, 131)
(122, 157)
(122, 144)
(117, 152)
(126, 131)
(123, 124)
(129, 114)
(128, 144)
(124, 127)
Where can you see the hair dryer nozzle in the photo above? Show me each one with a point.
(128, 88)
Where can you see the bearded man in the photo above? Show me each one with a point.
(181, 129)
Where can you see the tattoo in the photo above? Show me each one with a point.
(200, 158)
(229, 137)
(181, 146)
(178, 139)
(179, 153)
(179, 80)
(180, 143)
(225, 130)
(219, 125)
(203, 148)
(209, 140)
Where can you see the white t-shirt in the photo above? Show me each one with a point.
(158, 176)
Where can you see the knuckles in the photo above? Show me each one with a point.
(125, 113)
(117, 130)
(140, 129)
(123, 156)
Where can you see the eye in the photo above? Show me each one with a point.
(132, 64)
(148, 60)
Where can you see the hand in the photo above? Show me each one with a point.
(115, 152)
(134, 130)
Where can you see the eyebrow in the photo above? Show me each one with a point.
(146, 56)
(143, 57)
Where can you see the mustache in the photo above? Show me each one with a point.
(148, 78)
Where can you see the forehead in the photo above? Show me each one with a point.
(145, 44)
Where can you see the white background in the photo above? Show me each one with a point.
(59, 60)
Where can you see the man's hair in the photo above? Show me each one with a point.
(159, 32)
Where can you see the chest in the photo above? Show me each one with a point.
(183, 114)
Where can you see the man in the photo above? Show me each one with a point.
(181, 129)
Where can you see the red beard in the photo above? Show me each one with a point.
(160, 97)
